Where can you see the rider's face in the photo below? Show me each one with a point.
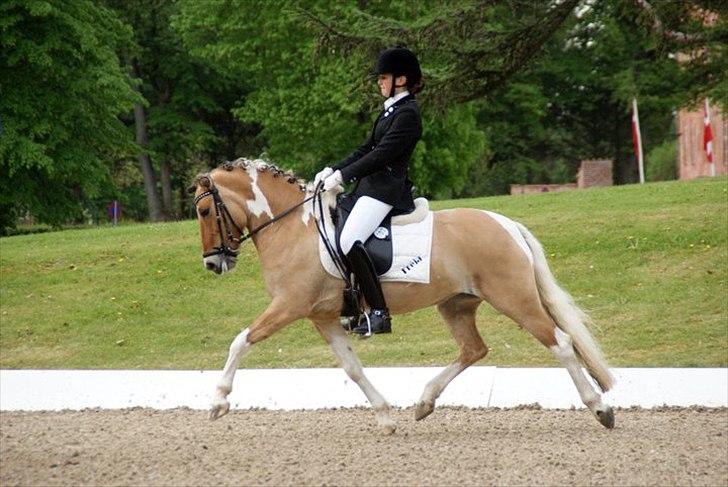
(385, 84)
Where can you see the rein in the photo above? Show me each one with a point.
(340, 265)
(225, 219)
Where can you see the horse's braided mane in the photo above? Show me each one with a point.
(259, 165)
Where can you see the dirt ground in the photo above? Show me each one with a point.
(454, 446)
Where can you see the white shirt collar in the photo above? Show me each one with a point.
(394, 99)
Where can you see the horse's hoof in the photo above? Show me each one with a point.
(605, 415)
(220, 407)
(389, 428)
(423, 409)
(386, 422)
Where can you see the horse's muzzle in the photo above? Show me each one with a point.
(218, 263)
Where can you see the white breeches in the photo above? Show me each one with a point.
(364, 218)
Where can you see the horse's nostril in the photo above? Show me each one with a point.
(210, 266)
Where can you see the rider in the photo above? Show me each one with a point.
(379, 166)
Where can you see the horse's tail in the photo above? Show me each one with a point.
(567, 315)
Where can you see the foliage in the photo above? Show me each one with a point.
(538, 120)
(694, 33)
(525, 147)
(647, 261)
(661, 162)
(320, 107)
(516, 92)
(574, 101)
(469, 48)
(188, 102)
(450, 147)
(62, 91)
(296, 102)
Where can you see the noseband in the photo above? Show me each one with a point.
(225, 221)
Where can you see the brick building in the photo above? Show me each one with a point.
(692, 161)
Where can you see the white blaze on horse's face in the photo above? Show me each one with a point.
(211, 238)
(259, 204)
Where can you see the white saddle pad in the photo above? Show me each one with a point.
(411, 246)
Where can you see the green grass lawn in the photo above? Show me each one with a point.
(649, 263)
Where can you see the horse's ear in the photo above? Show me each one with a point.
(192, 188)
(205, 181)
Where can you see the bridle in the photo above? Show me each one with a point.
(225, 221)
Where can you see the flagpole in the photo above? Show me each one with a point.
(637, 140)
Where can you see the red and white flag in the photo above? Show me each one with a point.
(707, 134)
(637, 140)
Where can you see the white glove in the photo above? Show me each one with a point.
(333, 180)
(322, 174)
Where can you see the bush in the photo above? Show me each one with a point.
(661, 162)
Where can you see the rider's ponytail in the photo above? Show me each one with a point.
(417, 87)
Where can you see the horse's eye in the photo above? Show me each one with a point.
(204, 212)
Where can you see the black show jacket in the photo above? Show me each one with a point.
(380, 163)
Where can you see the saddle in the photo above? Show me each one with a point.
(379, 245)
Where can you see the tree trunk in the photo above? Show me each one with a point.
(165, 176)
(150, 181)
(185, 204)
(625, 165)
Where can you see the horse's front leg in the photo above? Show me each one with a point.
(334, 334)
(275, 317)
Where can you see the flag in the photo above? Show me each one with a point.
(637, 140)
(707, 133)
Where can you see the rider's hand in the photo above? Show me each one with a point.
(323, 174)
(333, 180)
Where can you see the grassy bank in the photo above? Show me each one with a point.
(649, 264)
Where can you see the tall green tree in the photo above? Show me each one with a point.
(62, 89)
(185, 114)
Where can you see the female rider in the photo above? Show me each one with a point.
(379, 166)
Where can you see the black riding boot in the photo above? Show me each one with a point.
(379, 320)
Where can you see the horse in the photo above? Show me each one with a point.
(475, 258)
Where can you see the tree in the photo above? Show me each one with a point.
(696, 33)
(62, 91)
(469, 48)
(314, 109)
(185, 102)
(541, 114)
(573, 102)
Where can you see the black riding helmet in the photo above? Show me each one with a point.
(399, 61)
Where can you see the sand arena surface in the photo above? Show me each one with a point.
(454, 446)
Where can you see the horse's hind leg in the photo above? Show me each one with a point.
(525, 309)
(564, 351)
(459, 314)
(334, 334)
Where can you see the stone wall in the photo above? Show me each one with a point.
(540, 188)
(594, 173)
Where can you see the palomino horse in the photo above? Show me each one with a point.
(474, 259)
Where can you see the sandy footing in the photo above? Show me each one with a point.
(454, 446)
